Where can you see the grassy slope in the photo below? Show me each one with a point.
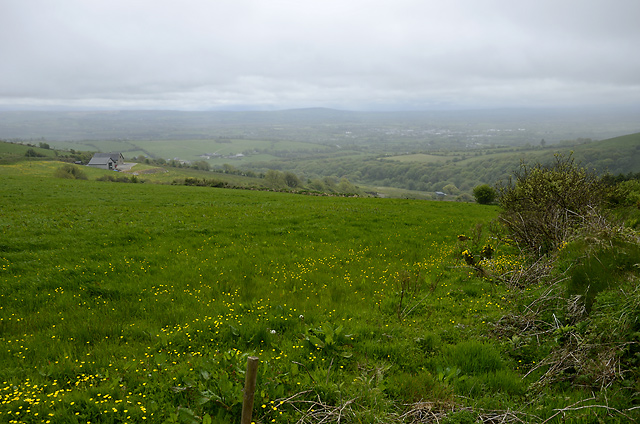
(98, 279)
(124, 301)
(11, 151)
(622, 153)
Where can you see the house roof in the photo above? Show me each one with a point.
(105, 158)
(114, 156)
(101, 160)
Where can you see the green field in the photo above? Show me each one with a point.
(193, 150)
(130, 303)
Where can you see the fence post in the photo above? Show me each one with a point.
(249, 389)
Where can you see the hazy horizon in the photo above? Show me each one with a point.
(373, 55)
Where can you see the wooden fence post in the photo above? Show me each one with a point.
(249, 389)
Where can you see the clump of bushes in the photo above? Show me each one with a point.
(71, 172)
(584, 318)
(190, 181)
(31, 153)
(542, 206)
(120, 179)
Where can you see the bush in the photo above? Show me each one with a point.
(119, 179)
(71, 172)
(546, 204)
(626, 193)
(292, 180)
(484, 194)
(31, 153)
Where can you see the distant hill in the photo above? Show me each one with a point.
(619, 155)
(462, 170)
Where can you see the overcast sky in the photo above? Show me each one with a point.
(348, 54)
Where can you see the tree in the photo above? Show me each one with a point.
(451, 189)
(542, 206)
(274, 179)
(292, 180)
(316, 184)
(31, 153)
(229, 169)
(201, 165)
(345, 186)
(484, 194)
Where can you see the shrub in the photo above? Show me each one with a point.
(71, 172)
(484, 194)
(31, 153)
(119, 179)
(275, 179)
(626, 193)
(546, 204)
(292, 180)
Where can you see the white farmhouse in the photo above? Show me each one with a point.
(106, 161)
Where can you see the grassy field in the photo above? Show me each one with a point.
(193, 150)
(129, 303)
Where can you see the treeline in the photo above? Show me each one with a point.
(462, 173)
(612, 180)
(316, 188)
(428, 177)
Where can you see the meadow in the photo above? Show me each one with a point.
(130, 303)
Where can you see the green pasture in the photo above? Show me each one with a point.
(256, 150)
(11, 151)
(130, 303)
(113, 294)
(145, 173)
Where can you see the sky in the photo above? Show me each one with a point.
(343, 54)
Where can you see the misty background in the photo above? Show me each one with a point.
(355, 55)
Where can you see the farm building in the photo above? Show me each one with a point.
(106, 160)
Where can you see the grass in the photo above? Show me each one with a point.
(141, 302)
(192, 150)
(13, 151)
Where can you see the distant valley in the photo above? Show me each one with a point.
(418, 152)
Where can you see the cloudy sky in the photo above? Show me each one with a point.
(348, 54)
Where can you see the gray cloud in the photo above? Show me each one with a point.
(359, 54)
